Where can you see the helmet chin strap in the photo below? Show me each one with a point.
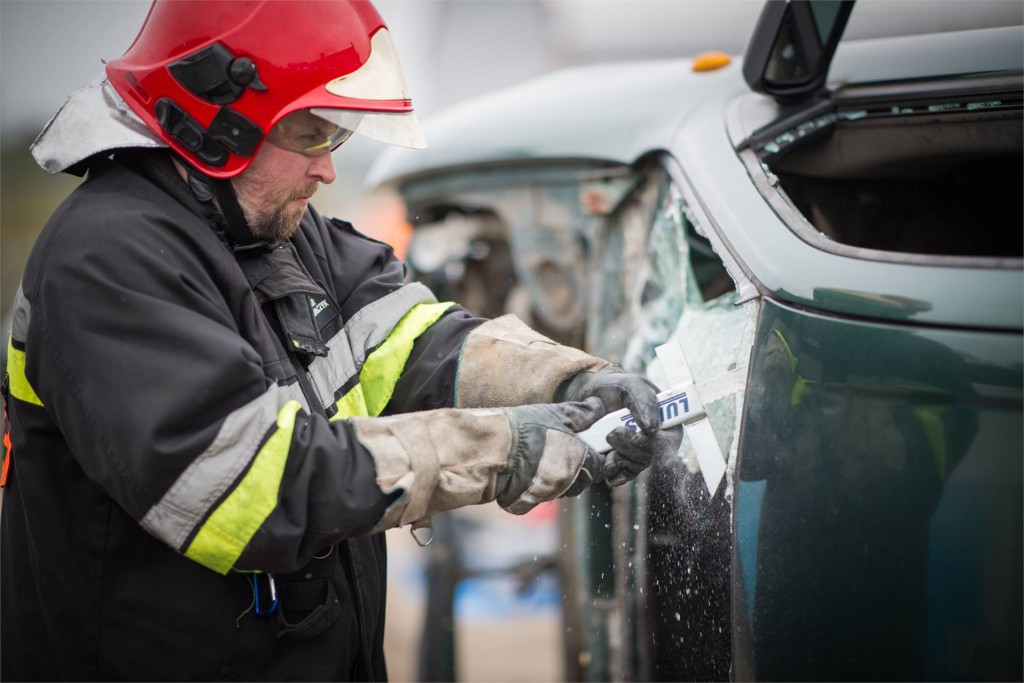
(236, 227)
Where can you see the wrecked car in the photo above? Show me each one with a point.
(838, 224)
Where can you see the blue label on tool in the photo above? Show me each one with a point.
(669, 409)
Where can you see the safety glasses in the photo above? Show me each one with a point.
(306, 133)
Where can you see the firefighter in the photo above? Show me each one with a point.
(219, 398)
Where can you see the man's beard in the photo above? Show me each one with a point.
(277, 224)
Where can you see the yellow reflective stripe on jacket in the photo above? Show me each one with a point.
(351, 404)
(225, 534)
(20, 388)
(383, 367)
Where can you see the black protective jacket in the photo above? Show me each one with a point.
(176, 416)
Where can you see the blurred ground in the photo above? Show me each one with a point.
(501, 635)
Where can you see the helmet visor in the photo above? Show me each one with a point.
(393, 128)
(379, 79)
(312, 132)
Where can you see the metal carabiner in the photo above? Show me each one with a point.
(428, 536)
(257, 608)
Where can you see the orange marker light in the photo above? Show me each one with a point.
(709, 61)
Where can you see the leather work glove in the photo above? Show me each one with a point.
(633, 451)
(546, 459)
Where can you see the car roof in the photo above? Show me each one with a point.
(618, 112)
(612, 112)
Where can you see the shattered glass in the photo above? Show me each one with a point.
(647, 293)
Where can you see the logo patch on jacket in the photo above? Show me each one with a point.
(324, 311)
(319, 306)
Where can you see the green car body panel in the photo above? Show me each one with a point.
(878, 511)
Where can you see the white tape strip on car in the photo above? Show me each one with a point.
(682, 403)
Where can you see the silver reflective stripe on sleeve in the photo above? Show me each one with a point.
(21, 316)
(363, 332)
(204, 482)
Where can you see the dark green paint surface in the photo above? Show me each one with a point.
(878, 510)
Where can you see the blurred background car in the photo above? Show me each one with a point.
(839, 224)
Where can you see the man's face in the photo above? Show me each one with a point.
(275, 189)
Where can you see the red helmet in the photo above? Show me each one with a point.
(213, 78)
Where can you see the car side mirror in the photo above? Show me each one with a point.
(790, 51)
